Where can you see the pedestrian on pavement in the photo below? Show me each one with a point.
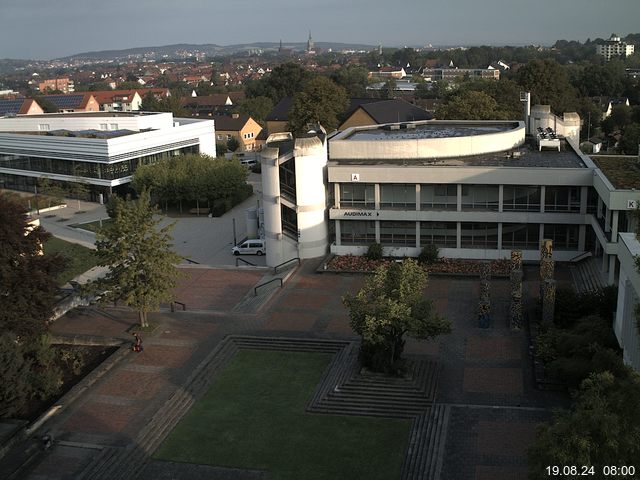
(137, 347)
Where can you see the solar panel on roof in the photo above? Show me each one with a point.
(9, 107)
(66, 101)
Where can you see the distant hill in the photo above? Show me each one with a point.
(182, 50)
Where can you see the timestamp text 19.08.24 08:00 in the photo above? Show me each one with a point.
(571, 471)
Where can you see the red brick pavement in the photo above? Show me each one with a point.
(497, 348)
(102, 418)
(214, 289)
(136, 385)
(505, 439)
(166, 356)
(291, 321)
(493, 380)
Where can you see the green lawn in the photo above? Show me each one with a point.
(92, 226)
(78, 259)
(253, 417)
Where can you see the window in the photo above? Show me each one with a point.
(521, 198)
(440, 234)
(520, 236)
(44, 127)
(288, 179)
(219, 137)
(479, 235)
(562, 199)
(398, 196)
(357, 232)
(228, 137)
(398, 233)
(113, 126)
(439, 197)
(289, 222)
(480, 197)
(359, 195)
(565, 237)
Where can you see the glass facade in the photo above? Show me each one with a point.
(89, 170)
(440, 234)
(479, 235)
(438, 197)
(520, 236)
(289, 221)
(521, 198)
(565, 237)
(398, 195)
(360, 195)
(357, 232)
(562, 199)
(398, 233)
(287, 172)
(480, 197)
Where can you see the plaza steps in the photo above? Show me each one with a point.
(289, 344)
(124, 464)
(426, 445)
(587, 275)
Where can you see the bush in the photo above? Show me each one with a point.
(374, 252)
(572, 306)
(429, 255)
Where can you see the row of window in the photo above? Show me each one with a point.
(474, 197)
(522, 236)
(106, 171)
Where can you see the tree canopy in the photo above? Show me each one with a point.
(389, 306)
(549, 84)
(321, 101)
(27, 278)
(139, 255)
(283, 81)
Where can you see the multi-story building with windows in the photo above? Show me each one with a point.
(100, 149)
(614, 48)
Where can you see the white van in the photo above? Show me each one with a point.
(249, 247)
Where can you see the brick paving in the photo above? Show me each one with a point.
(481, 367)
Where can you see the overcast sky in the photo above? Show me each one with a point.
(45, 29)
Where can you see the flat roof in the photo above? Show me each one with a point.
(623, 171)
(525, 156)
(88, 133)
(413, 131)
(89, 114)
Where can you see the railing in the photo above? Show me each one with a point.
(275, 269)
(173, 306)
(255, 290)
(238, 259)
(579, 257)
(192, 261)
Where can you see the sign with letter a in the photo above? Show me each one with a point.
(355, 177)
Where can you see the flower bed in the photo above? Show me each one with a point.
(456, 266)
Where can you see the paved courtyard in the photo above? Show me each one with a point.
(486, 380)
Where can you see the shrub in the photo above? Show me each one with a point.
(429, 255)
(374, 252)
(572, 306)
(257, 168)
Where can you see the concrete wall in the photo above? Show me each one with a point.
(628, 297)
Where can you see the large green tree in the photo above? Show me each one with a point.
(321, 101)
(389, 306)
(469, 105)
(602, 428)
(283, 81)
(139, 255)
(549, 84)
(354, 79)
(27, 278)
(257, 108)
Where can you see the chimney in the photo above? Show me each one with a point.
(235, 115)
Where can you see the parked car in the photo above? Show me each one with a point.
(250, 247)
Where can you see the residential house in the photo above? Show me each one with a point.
(65, 85)
(210, 105)
(19, 106)
(74, 102)
(374, 112)
(388, 72)
(118, 100)
(239, 126)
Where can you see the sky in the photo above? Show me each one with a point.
(47, 29)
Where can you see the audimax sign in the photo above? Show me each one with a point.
(361, 213)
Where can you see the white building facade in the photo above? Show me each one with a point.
(102, 150)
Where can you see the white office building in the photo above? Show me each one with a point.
(100, 149)
(614, 48)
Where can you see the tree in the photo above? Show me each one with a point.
(257, 108)
(27, 278)
(602, 428)
(630, 139)
(15, 369)
(321, 101)
(469, 105)
(549, 84)
(354, 79)
(388, 307)
(233, 144)
(284, 81)
(139, 256)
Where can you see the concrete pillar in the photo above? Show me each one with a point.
(614, 226)
(338, 233)
(541, 235)
(377, 231)
(271, 205)
(376, 196)
(418, 196)
(543, 194)
(459, 197)
(607, 221)
(612, 269)
(500, 198)
(584, 194)
(336, 194)
(499, 236)
(458, 235)
(582, 237)
(418, 235)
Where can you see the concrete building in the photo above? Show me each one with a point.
(101, 150)
(453, 73)
(65, 85)
(614, 47)
(118, 100)
(625, 324)
(239, 126)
